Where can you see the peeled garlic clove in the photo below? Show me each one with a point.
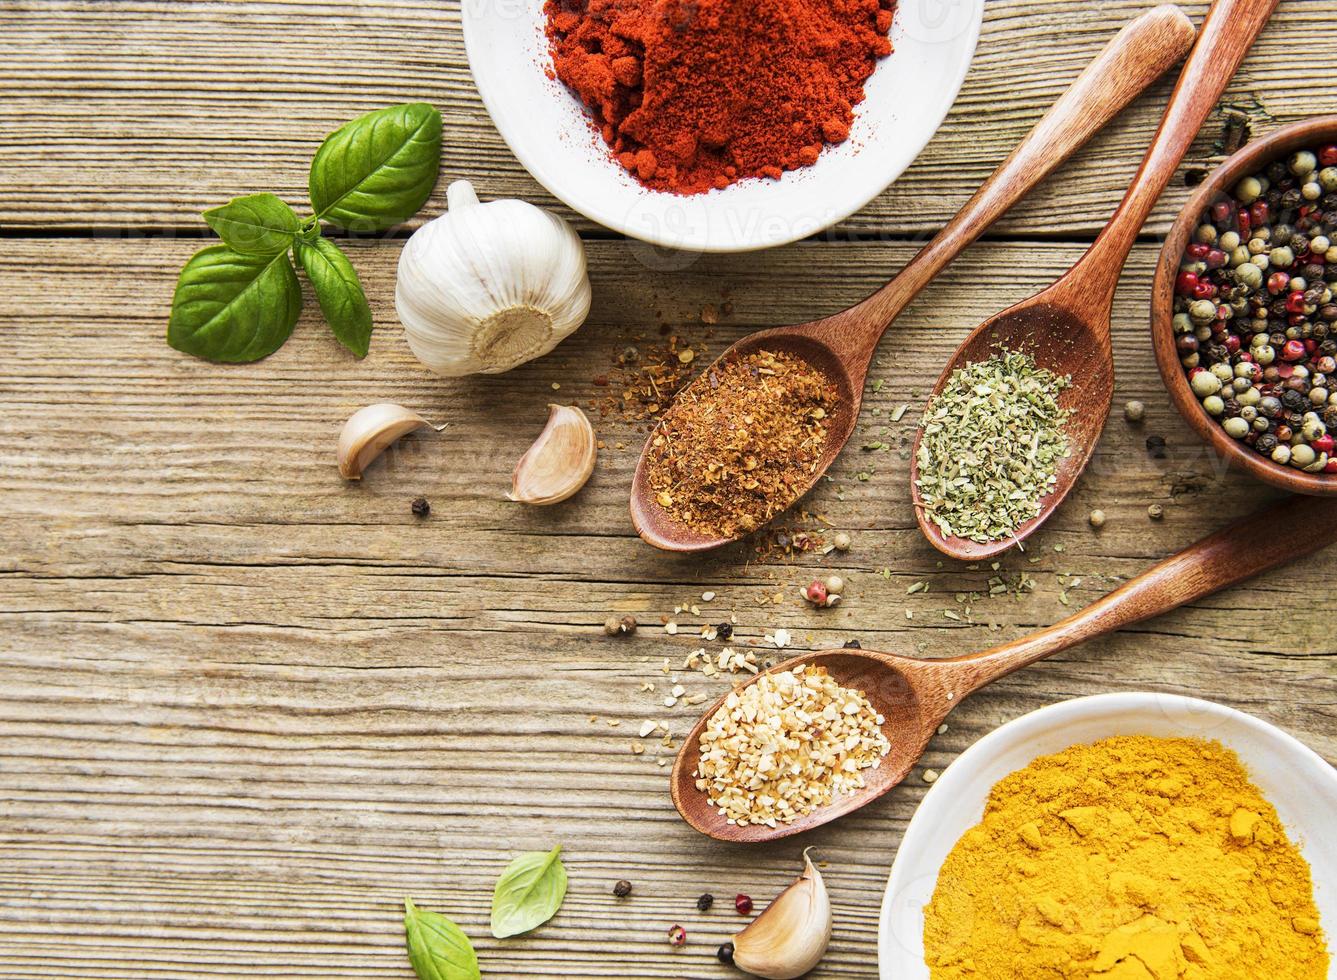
(369, 431)
(790, 937)
(559, 462)
(485, 287)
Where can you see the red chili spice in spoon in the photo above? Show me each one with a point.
(696, 94)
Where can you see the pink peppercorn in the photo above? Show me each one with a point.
(1323, 444)
(1259, 212)
(1197, 250)
(1204, 290)
(677, 936)
(1295, 302)
(743, 904)
(1328, 156)
(1186, 283)
(1293, 351)
(1331, 467)
(1278, 282)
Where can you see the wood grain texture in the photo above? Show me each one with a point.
(247, 707)
(127, 114)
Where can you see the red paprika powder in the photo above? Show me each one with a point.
(696, 94)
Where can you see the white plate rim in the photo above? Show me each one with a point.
(1055, 715)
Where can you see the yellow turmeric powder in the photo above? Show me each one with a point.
(1135, 858)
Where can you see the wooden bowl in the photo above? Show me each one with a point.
(1252, 158)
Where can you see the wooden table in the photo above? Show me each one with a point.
(247, 708)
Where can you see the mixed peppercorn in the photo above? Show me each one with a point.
(1256, 311)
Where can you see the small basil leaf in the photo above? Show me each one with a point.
(438, 949)
(528, 893)
(234, 307)
(378, 170)
(339, 292)
(259, 224)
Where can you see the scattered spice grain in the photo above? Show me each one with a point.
(740, 444)
(622, 889)
(991, 446)
(420, 507)
(704, 903)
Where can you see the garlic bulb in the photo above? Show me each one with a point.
(791, 936)
(486, 287)
(370, 431)
(559, 462)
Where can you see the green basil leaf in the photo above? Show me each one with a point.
(528, 893)
(379, 169)
(438, 949)
(259, 224)
(340, 293)
(234, 307)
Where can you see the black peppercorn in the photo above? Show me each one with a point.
(1156, 446)
(1293, 400)
(420, 507)
(1266, 443)
(1330, 418)
(704, 903)
(724, 630)
(725, 954)
(622, 889)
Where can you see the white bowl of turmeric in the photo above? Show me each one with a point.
(1130, 836)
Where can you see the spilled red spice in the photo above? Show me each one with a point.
(696, 94)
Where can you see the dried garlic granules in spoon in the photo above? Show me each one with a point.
(786, 745)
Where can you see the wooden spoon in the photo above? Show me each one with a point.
(916, 695)
(1067, 326)
(842, 345)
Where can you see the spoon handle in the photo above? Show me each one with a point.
(1133, 59)
(1228, 31)
(1272, 537)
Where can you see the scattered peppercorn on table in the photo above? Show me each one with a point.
(247, 708)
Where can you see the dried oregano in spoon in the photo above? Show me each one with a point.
(991, 446)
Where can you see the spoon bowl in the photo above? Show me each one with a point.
(1066, 341)
(914, 696)
(842, 346)
(655, 525)
(894, 685)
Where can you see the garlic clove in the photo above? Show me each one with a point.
(369, 431)
(790, 937)
(486, 287)
(559, 462)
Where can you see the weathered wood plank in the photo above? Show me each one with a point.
(247, 708)
(137, 115)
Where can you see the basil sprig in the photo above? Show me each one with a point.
(238, 302)
(528, 893)
(438, 949)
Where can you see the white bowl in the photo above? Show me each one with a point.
(1293, 778)
(547, 128)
